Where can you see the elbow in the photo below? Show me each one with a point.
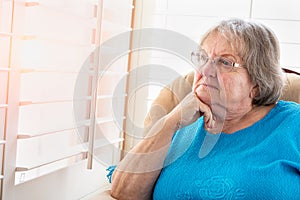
(122, 191)
(119, 189)
(116, 192)
(126, 191)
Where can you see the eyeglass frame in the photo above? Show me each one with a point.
(214, 61)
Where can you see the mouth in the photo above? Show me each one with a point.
(207, 86)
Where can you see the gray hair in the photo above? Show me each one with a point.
(258, 48)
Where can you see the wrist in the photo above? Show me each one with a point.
(173, 122)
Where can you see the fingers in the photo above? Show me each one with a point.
(208, 115)
(197, 77)
(188, 110)
(191, 108)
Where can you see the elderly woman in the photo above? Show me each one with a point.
(231, 138)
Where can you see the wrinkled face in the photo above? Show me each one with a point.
(231, 92)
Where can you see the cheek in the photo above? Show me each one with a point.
(226, 86)
(234, 88)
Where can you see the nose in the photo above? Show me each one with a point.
(209, 69)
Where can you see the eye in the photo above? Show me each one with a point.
(225, 62)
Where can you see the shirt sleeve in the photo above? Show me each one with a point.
(110, 170)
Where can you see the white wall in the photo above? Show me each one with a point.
(194, 17)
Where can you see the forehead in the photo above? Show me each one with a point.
(217, 43)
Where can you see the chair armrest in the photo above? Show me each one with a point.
(103, 196)
(291, 90)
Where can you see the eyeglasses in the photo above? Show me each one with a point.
(199, 58)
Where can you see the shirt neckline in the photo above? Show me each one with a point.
(271, 113)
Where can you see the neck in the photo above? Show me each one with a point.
(241, 121)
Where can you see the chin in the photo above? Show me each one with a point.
(205, 98)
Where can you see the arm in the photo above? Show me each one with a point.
(168, 99)
(135, 176)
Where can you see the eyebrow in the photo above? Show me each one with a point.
(223, 55)
(228, 55)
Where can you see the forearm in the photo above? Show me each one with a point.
(135, 176)
(137, 173)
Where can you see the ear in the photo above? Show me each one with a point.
(254, 92)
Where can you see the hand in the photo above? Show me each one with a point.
(213, 122)
(190, 109)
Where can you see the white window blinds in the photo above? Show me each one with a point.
(44, 45)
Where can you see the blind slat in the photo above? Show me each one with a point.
(54, 40)
(27, 103)
(5, 34)
(79, 150)
(85, 123)
(79, 14)
(28, 135)
(3, 105)
(87, 98)
(31, 3)
(27, 168)
(32, 70)
(100, 120)
(4, 69)
(23, 174)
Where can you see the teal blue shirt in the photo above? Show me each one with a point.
(258, 162)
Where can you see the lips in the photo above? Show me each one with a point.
(208, 86)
